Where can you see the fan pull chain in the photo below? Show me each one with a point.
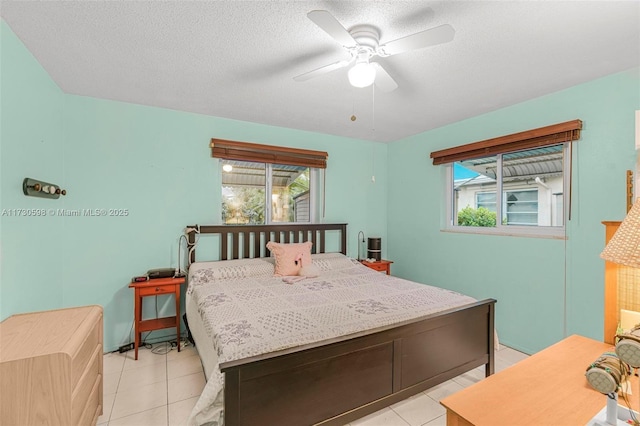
(353, 104)
(373, 108)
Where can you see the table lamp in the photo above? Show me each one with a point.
(624, 249)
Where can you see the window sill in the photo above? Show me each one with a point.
(525, 232)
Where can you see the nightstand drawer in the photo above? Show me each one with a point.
(157, 289)
(377, 266)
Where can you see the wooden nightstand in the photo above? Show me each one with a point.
(155, 287)
(379, 265)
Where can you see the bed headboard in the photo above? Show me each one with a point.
(248, 241)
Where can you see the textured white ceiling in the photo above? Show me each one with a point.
(237, 59)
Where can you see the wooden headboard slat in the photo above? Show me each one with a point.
(225, 249)
(246, 244)
(241, 235)
(256, 242)
(234, 242)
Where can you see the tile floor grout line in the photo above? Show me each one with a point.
(398, 414)
(166, 357)
(115, 395)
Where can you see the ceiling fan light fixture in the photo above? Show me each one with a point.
(362, 74)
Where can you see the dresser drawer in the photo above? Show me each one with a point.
(94, 405)
(157, 289)
(82, 392)
(85, 352)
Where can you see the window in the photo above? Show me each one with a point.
(520, 190)
(245, 186)
(521, 207)
(532, 183)
(282, 188)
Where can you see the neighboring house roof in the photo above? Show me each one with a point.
(247, 174)
(543, 162)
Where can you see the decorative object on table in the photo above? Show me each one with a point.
(609, 374)
(37, 188)
(374, 248)
(628, 347)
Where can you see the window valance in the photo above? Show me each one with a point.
(245, 151)
(543, 136)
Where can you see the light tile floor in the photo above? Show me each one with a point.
(161, 390)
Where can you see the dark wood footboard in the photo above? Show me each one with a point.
(334, 382)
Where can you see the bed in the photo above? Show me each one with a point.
(335, 371)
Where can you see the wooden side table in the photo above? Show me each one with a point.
(155, 287)
(379, 265)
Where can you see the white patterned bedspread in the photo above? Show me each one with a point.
(246, 311)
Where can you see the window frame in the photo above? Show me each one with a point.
(557, 232)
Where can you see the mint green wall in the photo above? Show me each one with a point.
(155, 163)
(31, 137)
(543, 286)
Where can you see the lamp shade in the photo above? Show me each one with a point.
(362, 74)
(624, 246)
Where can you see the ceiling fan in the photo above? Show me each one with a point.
(362, 43)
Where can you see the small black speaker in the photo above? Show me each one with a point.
(374, 248)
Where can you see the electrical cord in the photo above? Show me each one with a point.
(162, 348)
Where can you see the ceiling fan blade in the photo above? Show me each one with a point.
(331, 26)
(321, 70)
(431, 37)
(383, 80)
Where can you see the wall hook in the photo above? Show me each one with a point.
(36, 188)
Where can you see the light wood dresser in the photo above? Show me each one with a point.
(51, 367)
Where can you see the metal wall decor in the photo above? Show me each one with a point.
(37, 188)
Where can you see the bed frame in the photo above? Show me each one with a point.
(338, 380)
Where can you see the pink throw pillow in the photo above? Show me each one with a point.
(290, 257)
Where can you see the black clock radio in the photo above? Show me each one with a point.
(161, 273)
